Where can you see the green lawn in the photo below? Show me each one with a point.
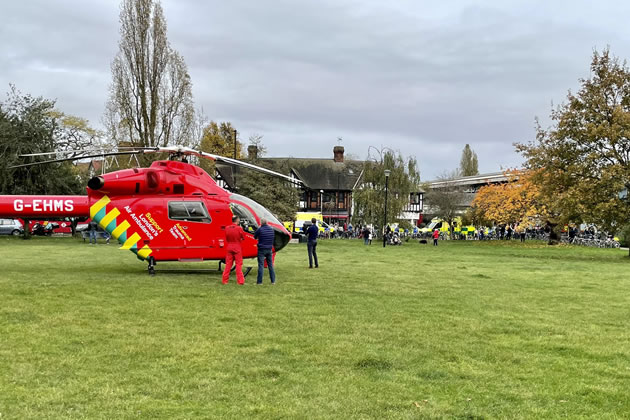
(464, 330)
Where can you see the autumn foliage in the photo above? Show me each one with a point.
(515, 201)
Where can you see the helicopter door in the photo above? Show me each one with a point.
(190, 224)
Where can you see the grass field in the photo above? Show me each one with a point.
(465, 330)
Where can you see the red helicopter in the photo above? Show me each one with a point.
(171, 211)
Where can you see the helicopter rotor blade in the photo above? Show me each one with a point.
(235, 162)
(173, 150)
(65, 152)
(24, 165)
(182, 150)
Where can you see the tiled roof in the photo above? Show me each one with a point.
(317, 174)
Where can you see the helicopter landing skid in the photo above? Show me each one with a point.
(151, 269)
(245, 272)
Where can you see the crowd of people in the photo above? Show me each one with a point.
(265, 235)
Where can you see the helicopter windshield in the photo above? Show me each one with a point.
(248, 221)
(260, 211)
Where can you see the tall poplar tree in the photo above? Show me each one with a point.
(150, 102)
(468, 164)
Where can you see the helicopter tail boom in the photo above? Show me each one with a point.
(42, 206)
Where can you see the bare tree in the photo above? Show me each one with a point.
(74, 134)
(150, 101)
(445, 198)
(256, 140)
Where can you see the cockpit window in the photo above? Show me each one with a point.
(189, 211)
(248, 221)
(260, 211)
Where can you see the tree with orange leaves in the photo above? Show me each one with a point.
(515, 201)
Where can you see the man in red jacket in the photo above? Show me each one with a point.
(234, 236)
(436, 236)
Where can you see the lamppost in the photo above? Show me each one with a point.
(387, 172)
(337, 198)
(623, 196)
(321, 199)
(234, 168)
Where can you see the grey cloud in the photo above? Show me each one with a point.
(420, 77)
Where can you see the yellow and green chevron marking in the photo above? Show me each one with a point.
(107, 220)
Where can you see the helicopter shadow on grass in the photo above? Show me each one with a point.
(176, 269)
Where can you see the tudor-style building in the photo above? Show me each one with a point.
(328, 184)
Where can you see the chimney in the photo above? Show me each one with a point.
(338, 153)
(252, 151)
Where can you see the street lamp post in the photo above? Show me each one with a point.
(321, 199)
(234, 168)
(337, 199)
(387, 172)
(624, 196)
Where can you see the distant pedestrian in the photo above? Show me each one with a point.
(312, 232)
(234, 235)
(265, 236)
(521, 230)
(366, 235)
(436, 236)
(93, 231)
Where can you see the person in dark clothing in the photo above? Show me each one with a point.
(265, 235)
(366, 235)
(93, 231)
(234, 235)
(312, 232)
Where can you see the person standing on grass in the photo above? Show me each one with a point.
(436, 236)
(366, 235)
(312, 232)
(265, 235)
(93, 231)
(234, 235)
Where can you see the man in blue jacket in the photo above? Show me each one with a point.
(312, 232)
(265, 235)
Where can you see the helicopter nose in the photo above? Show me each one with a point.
(281, 238)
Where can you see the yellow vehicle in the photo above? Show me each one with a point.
(443, 226)
(302, 217)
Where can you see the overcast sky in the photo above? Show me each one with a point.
(416, 76)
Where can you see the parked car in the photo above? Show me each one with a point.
(11, 227)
